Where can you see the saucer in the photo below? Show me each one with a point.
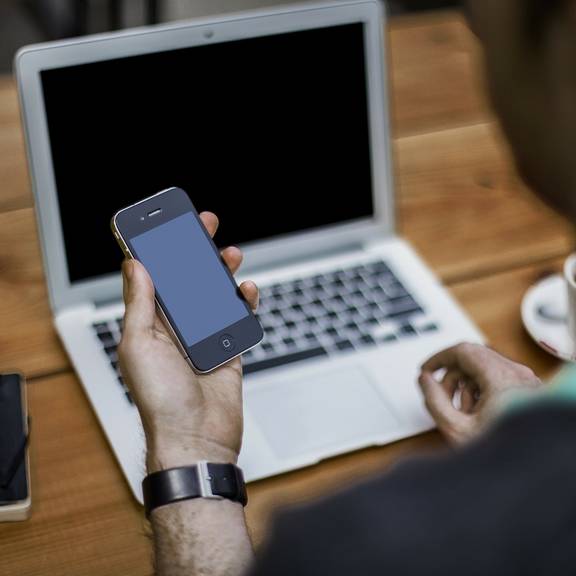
(545, 313)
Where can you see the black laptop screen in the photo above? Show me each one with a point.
(270, 133)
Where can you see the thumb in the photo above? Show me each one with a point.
(138, 297)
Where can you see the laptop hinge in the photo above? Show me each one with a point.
(300, 259)
(107, 302)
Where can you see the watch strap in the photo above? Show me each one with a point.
(202, 480)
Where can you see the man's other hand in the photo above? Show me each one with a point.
(187, 417)
(463, 385)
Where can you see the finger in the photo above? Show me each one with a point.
(439, 403)
(471, 359)
(210, 221)
(450, 382)
(250, 293)
(444, 359)
(472, 397)
(467, 400)
(232, 257)
(140, 312)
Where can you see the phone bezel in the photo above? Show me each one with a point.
(206, 355)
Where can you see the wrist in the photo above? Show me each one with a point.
(166, 455)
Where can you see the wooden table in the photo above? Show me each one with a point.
(460, 204)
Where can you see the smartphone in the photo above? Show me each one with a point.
(15, 498)
(195, 292)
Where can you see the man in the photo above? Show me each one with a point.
(504, 503)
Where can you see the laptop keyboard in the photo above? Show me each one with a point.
(109, 334)
(322, 315)
(333, 313)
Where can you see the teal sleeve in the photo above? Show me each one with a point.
(562, 389)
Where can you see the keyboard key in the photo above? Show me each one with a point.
(379, 268)
(344, 345)
(101, 327)
(367, 340)
(388, 338)
(128, 397)
(112, 355)
(407, 330)
(399, 314)
(432, 327)
(396, 292)
(285, 359)
(267, 347)
(106, 338)
(110, 346)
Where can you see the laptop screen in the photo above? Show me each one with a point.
(270, 133)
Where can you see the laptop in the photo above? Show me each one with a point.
(277, 121)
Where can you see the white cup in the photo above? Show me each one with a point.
(570, 278)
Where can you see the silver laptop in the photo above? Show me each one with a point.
(276, 120)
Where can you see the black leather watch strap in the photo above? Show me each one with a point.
(203, 480)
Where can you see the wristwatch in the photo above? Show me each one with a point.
(203, 480)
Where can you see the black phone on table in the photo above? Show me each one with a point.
(15, 497)
(195, 292)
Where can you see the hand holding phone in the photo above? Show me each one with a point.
(195, 292)
(187, 416)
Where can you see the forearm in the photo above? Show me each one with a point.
(201, 537)
(198, 537)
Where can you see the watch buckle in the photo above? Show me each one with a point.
(205, 481)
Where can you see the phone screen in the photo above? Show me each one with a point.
(189, 278)
(12, 438)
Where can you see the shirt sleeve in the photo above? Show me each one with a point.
(561, 390)
(503, 505)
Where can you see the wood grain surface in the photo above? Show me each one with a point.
(435, 82)
(464, 208)
(14, 185)
(459, 202)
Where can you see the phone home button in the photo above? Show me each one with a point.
(227, 342)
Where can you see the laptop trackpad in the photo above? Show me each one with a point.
(325, 411)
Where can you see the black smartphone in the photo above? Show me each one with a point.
(195, 292)
(15, 499)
